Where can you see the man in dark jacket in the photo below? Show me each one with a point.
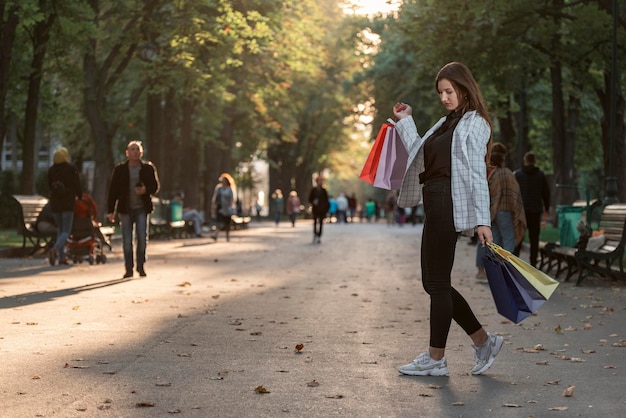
(318, 198)
(130, 196)
(536, 196)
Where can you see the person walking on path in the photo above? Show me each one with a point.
(352, 203)
(508, 221)
(342, 208)
(318, 198)
(536, 196)
(65, 188)
(448, 166)
(278, 205)
(223, 208)
(133, 183)
(293, 207)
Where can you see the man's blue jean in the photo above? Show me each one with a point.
(136, 219)
(503, 232)
(64, 222)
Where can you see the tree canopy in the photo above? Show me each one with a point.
(211, 86)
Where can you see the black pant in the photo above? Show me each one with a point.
(438, 246)
(533, 223)
(318, 222)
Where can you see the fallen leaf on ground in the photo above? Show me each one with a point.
(184, 284)
(433, 386)
(558, 408)
(542, 363)
(425, 395)
(299, 347)
(313, 384)
(569, 392)
(458, 404)
(261, 389)
(511, 405)
(164, 384)
(558, 330)
(75, 308)
(144, 404)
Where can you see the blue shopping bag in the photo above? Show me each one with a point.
(515, 297)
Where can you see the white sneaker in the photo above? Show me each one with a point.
(423, 365)
(486, 353)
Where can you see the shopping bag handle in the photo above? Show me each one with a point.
(498, 251)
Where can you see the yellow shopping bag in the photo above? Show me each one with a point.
(543, 283)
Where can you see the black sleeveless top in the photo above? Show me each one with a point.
(438, 150)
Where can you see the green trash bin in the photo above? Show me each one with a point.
(568, 219)
(176, 211)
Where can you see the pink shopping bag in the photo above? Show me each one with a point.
(392, 163)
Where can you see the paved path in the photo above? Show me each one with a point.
(212, 322)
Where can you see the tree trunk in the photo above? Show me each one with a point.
(619, 152)
(29, 150)
(8, 28)
(565, 187)
(95, 105)
(155, 129)
(169, 171)
(190, 161)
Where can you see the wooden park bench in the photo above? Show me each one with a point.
(30, 206)
(606, 260)
(548, 259)
(161, 223)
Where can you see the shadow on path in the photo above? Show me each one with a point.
(10, 302)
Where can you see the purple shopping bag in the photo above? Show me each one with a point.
(392, 163)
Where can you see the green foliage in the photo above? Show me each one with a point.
(301, 84)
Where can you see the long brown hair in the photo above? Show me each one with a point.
(467, 91)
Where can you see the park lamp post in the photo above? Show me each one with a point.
(611, 179)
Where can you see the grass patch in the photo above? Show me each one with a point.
(548, 234)
(9, 238)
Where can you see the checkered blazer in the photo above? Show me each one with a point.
(470, 192)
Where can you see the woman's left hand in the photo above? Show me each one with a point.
(484, 234)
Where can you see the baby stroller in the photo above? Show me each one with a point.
(86, 240)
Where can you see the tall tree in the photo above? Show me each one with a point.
(8, 29)
(40, 35)
(103, 65)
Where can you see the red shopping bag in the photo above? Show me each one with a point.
(368, 173)
(392, 162)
